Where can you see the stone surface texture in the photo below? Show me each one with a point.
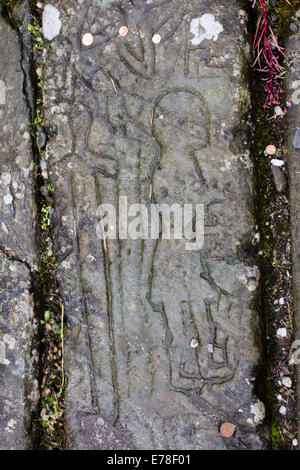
(293, 89)
(166, 122)
(18, 389)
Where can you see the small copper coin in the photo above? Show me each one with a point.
(123, 31)
(87, 39)
(271, 149)
(227, 429)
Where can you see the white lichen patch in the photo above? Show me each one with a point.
(35, 356)
(51, 22)
(258, 411)
(243, 16)
(66, 264)
(4, 228)
(8, 199)
(3, 359)
(6, 178)
(9, 340)
(205, 27)
(250, 277)
(34, 396)
(11, 425)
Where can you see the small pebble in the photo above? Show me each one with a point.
(278, 111)
(271, 149)
(156, 39)
(227, 429)
(282, 410)
(279, 397)
(88, 39)
(43, 164)
(279, 179)
(123, 31)
(282, 332)
(281, 300)
(273, 16)
(277, 162)
(287, 382)
(194, 343)
(42, 139)
(295, 442)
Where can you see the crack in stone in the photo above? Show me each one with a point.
(37, 286)
(14, 256)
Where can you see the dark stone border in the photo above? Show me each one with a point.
(293, 53)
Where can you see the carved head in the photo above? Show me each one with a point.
(181, 120)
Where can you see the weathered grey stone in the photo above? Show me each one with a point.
(279, 178)
(293, 86)
(18, 388)
(91, 432)
(155, 121)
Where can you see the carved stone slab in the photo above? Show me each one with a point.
(157, 115)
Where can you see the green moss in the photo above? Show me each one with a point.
(12, 4)
(278, 440)
(285, 12)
